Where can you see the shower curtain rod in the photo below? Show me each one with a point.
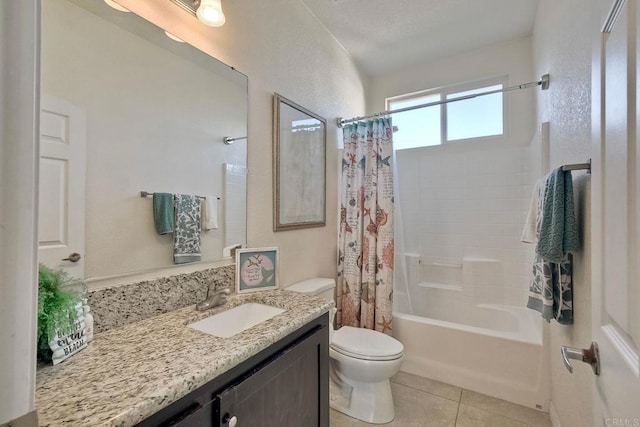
(543, 82)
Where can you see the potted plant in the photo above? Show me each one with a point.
(58, 307)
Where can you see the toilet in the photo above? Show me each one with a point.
(362, 362)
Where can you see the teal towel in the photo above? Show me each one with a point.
(558, 229)
(163, 212)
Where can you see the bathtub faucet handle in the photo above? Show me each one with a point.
(589, 355)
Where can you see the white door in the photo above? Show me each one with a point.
(616, 217)
(62, 185)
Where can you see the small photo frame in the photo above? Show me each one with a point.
(256, 269)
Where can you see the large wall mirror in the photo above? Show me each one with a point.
(148, 114)
(299, 141)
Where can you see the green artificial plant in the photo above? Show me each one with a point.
(56, 307)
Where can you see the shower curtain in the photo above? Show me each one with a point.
(366, 239)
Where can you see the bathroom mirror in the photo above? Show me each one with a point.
(299, 145)
(153, 113)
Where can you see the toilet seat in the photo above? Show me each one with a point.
(366, 344)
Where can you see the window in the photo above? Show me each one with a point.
(478, 117)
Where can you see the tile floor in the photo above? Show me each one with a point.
(422, 402)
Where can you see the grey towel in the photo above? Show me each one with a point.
(551, 288)
(186, 238)
(163, 212)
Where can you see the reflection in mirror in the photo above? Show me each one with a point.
(300, 173)
(151, 115)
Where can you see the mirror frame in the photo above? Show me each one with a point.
(278, 172)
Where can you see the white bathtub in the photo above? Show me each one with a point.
(501, 355)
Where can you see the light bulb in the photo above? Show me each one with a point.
(116, 6)
(210, 13)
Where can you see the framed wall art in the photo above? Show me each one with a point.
(256, 269)
(299, 153)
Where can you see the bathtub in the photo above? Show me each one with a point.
(493, 349)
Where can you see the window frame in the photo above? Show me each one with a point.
(443, 91)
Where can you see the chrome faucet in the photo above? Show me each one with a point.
(214, 300)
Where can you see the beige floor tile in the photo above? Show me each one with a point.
(504, 408)
(338, 419)
(414, 408)
(428, 385)
(468, 416)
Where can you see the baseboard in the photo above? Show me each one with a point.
(553, 414)
(27, 420)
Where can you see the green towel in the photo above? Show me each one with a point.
(558, 230)
(163, 212)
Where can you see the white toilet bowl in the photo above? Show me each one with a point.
(362, 362)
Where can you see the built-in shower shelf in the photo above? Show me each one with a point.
(440, 286)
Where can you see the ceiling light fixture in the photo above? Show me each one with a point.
(116, 6)
(210, 13)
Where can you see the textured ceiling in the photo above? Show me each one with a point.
(385, 35)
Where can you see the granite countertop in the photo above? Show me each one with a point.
(129, 373)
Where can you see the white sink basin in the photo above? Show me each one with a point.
(235, 320)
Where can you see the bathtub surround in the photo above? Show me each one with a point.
(463, 206)
(118, 306)
(365, 240)
(463, 209)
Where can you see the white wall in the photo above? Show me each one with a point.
(512, 58)
(278, 44)
(469, 199)
(155, 122)
(19, 94)
(284, 49)
(562, 47)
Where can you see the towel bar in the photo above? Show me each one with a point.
(578, 166)
(145, 194)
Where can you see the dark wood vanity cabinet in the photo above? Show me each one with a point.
(285, 385)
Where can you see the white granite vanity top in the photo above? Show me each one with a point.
(129, 373)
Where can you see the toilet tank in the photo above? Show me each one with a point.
(322, 287)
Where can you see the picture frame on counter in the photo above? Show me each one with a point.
(256, 269)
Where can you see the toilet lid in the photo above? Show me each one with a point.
(366, 344)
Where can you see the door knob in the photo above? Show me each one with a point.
(74, 257)
(589, 355)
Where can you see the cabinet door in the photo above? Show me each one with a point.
(290, 390)
(197, 415)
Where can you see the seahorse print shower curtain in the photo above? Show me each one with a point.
(366, 241)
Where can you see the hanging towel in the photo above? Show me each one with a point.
(530, 231)
(186, 238)
(210, 213)
(551, 290)
(556, 234)
(163, 212)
